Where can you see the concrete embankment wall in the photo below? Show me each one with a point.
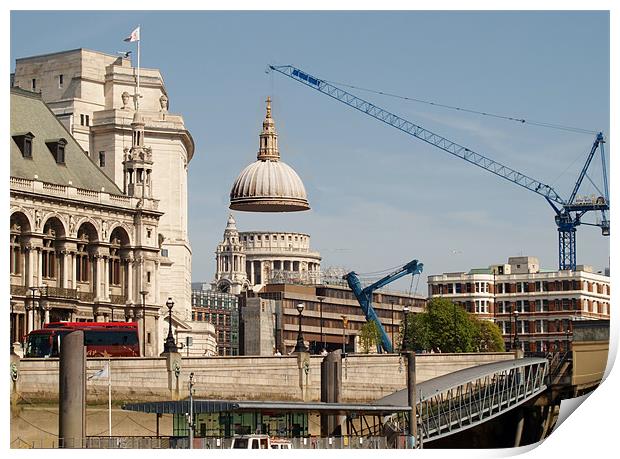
(365, 376)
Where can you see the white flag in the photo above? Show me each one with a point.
(135, 35)
(103, 373)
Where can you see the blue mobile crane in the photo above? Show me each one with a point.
(569, 212)
(364, 297)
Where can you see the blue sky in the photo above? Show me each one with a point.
(379, 197)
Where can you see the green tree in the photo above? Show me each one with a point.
(418, 333)
(447, 327)
(369, 336)
(489, 337)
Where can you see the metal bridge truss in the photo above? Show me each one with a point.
(488, 396)
(457, 401)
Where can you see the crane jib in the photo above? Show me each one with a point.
(567, 224)
(419, 132)
(306, 77)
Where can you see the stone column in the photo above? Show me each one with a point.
(74, 261)
(29, 315)
(155, 281)
(106, 279)
(23, 263)
(65, 268)
(39, 263)
(31, 261)
(47, 314)
(101, 275)
(129, 285)
(95, 277)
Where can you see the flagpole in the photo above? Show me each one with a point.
(109, 399)
(138, 95)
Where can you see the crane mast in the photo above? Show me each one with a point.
(364, 296)
(568, 212)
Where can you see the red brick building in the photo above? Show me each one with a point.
(542, 303)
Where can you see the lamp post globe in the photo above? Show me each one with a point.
(300, 346)
(170, 345)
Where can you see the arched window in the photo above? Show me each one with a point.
(119, 261)
(48, 252)
(82, 260)
(15, 258)
(114, 267)
(18, 230)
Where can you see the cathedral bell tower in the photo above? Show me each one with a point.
(230, 275)
(138, 163)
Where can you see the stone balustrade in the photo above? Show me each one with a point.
(69, 191)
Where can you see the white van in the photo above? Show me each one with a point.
(251, 442)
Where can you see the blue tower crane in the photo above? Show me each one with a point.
(569, 212)
(364, 296)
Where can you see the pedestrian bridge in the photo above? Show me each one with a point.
(457, 401)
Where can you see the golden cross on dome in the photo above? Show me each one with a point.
(268, 106)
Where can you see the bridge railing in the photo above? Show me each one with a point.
(477, 401)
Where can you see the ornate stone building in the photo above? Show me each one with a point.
(253, 259)
(93, 94)
(143, 158)
(80, 248)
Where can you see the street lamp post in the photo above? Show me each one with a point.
(392, 321)
(190, 417)
(345, 323)
(43, 311)
(170, 345)
(300, 346)
(404, 346)
(144, 293)
(30, 316)
(13, 324)
(321, 298)
(454, 340)
(411, 383)
(516, 341)
(567, 339)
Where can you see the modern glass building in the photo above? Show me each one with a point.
(222, 311)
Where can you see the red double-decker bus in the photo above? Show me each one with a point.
(102, 339)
